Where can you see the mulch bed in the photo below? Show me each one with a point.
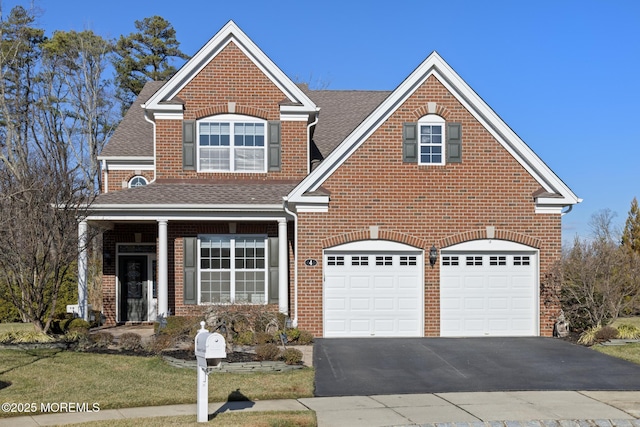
(236, 356)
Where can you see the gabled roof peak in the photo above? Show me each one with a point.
(296, 99)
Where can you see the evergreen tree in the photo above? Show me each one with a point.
(631, 233)
(143, 56)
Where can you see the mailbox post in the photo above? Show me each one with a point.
(209, 346)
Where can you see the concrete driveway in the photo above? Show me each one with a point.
(375, 366)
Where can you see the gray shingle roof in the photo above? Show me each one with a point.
(134, 135)
(201, 192)
(341, 111)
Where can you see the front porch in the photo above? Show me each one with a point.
(162, 267)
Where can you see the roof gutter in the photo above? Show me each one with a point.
(153, 123)
(309, 126)
(285, 206)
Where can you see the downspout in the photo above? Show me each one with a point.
(146, 117)
(285, 206)
(105, 182)
(570, 208)
(309, 140)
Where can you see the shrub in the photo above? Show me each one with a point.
(102, 339)
(130, 341)
(77, 323)
(305, 338)
(292, 356)
(267, 351)
(180, 325)
(292, 334)
(628, 332)
(606, 333)
(6, 337)
(263, 338)
(244, 338)
(588, 337)
(30, 336)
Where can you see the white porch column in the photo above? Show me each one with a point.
(83, 271)
(283, 268)
(163, 268)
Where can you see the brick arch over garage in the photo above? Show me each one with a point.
(360, 235)
(480, 234)
(228, 108)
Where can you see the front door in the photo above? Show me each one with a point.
(133, 278)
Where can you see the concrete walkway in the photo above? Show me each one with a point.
(491, 409)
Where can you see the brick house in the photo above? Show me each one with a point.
(416, 212)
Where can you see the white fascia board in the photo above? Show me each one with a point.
(435, 65)
(176, 217)
(123, 159)
(184, 208)
(229, 32)
(503, 133)
(168, 115)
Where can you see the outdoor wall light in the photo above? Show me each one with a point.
(433, 255)
(106, 257)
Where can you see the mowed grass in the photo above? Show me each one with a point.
(115, 381)
(244, 419)
(630, 352)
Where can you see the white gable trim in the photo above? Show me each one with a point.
(229, 33)
(435, 65)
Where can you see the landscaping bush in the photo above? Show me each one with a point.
(606, 333)
(292, 356)
(263, 338)
(130, 341)
(267, 351)
(244, 338)
(77, 323)
(588, 337)
(305, 338)
(628, 332)
(31, 337)
(102, 339)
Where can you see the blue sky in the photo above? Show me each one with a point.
(562, 74)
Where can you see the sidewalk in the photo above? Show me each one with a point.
(494, 409)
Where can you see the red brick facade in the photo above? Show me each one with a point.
(424, 205)
(418, 205)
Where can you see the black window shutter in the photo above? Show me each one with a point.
(410, 142)
(274, 160)
(454, 143)
(189, 144)
(274, 276)
(190, 267)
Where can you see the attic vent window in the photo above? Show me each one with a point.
(137, 181)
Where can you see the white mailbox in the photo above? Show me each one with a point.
(210, 347)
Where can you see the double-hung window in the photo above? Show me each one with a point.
(233, 269)
(232, 143)
(431, 140)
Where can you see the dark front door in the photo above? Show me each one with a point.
(133, 280)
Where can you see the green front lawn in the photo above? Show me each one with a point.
(630, 352)
(114, 381)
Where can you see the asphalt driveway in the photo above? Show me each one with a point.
(374, 366)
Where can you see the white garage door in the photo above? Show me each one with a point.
(373, 293)
(488, 294)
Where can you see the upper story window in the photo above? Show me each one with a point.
(232, 143)
(431, 140)
(137, 181)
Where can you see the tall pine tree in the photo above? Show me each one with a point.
(144, 56)
(631, 233)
